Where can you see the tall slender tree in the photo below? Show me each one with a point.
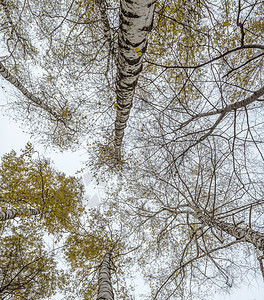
(105, 290)
(193, 172)
(135, 23)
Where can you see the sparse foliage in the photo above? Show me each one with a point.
(186, 175)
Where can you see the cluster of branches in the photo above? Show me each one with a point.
(190, 166)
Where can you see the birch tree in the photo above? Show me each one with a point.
(12, 213)
(79, 52)
(96, 251)
(196, 221)
(105, 290)
(202, 151)
(194, 168)
(136, 20)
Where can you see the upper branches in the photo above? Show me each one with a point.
(35, 100)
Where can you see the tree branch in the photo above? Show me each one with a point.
(256, 46)
(35, 100)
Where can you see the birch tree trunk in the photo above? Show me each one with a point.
(105, 290)
(136, 20)
(37, 101)
(244, 234)
(12, 213)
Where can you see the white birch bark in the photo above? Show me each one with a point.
(105, 290)
(12, 213)
(244, 234)
(136, 20)
(37, 101)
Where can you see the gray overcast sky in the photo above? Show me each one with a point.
(12, 137)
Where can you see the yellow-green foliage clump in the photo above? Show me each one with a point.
(28, 181)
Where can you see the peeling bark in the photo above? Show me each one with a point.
(105, 290)
(37, 101)
(136, 20)
(12, 213)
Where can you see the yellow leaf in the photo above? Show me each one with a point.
(226, 23)
(137, 50)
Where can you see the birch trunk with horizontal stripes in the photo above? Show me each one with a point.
(105, 290)
(242, 233)
(33, 99)
(136, 20)
(8, 214)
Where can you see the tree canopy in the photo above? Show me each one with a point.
(30, 185)
(167, 99)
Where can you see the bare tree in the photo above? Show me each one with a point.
(196, 220)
